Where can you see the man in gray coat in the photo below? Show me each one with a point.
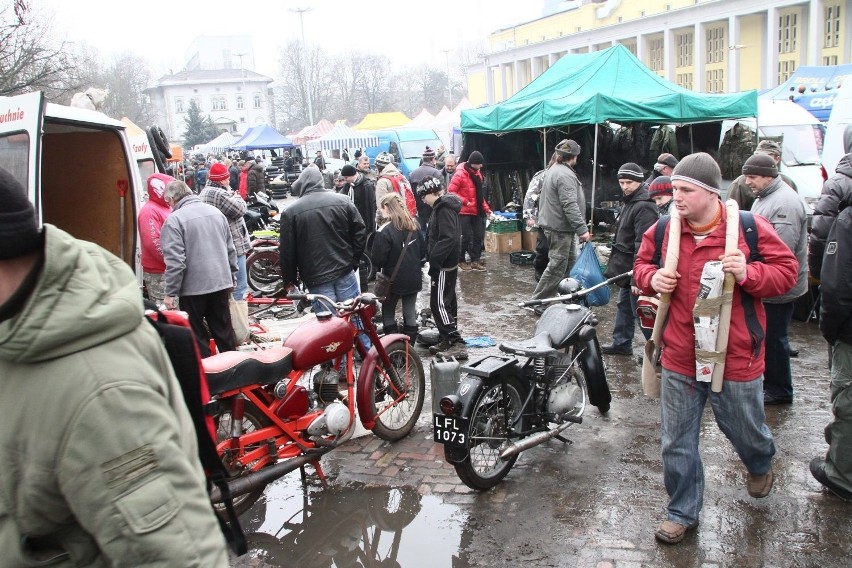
(562, 217)
(201, 262)
(781, 206)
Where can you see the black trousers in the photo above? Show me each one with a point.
(472, 236)
(542, 247)
(213, 310)
(444, 305)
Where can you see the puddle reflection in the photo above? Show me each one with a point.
(352, 526)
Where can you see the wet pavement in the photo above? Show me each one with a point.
(595, 502)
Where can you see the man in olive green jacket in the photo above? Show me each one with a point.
(100, 459)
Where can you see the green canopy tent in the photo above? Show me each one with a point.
(609, 85)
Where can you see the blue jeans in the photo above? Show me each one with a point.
(738, 410)
(344, 288)
(241, 285)
(777, 377)
(625, 320)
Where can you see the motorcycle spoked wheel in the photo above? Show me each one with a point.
(482, 468)
(394, 421)
(253, 419)
(263, 270)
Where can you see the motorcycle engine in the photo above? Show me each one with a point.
(564, 397)
(325, 385)
(334, 421)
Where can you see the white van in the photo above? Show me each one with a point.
(78, 168)
(801, 136)
(839, 119)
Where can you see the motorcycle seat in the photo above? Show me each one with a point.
(538, 346)
(235, 369)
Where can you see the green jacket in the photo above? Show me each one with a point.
(100, 460)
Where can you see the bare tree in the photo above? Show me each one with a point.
(30, 60)
(126, 79)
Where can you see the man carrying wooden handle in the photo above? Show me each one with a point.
(738, 407)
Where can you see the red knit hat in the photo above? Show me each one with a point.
(661, 185)
(218, 172)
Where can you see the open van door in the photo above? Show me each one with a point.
(20, 140)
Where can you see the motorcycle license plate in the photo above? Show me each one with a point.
(450, 430)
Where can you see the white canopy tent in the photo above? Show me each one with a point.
(342, 136)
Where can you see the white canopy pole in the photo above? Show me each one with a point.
(594, 179)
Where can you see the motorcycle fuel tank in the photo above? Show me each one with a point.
(561, 321)
(318, 341)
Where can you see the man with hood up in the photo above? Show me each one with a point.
(836, 194)
(101, 458)
(322, 239)
(150, 222)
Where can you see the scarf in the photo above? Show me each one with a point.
(480, 191)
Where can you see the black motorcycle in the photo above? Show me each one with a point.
(505, 405)
(260, 212)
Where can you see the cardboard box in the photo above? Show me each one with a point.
(503, 243)
(528, 239)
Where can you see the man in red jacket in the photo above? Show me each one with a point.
(468, 184)
(150, 221)
(738, 408)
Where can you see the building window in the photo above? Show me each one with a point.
(179, 106)
(240, 103)
(684, 80)
(257, 100)
(226, 59)
(787, 32)
(198, 103)
(656, 54)
(219, 103)
(832, 26)
(785, 70)
(716, 81)
(716, 44)
(684, 49)
(829, 60)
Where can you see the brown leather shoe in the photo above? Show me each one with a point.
(759, 486)
(464, 265)
(671, 532)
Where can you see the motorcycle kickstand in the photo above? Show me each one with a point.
(563, 439)
(319, 471)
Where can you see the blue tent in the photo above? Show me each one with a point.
(812, 87)
(262, 137)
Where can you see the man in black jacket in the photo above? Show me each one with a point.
(362, 191)
(835, 470)
(637, 213)
(442, 252)
(322, 239)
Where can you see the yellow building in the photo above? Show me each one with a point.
(709, 46)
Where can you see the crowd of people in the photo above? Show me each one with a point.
(111, 372)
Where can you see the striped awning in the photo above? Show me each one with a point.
(342, 136)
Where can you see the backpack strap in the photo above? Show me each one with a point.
(659, 233)
(183, 353)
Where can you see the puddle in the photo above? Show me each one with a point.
(351, 526)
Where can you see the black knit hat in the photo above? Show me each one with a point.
(19, 232)
(699, 169)
(475, 158)
(348, 170)
(661, 185)
(632, 172)
(429, 185)
(760, 165)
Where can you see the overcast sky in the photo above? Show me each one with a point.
(410, 33)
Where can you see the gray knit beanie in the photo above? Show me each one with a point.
(700, 169)
(632, 172)
(19, 232)
(760, 165)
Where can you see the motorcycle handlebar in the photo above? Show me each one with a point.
(351, 305)
(575, 295)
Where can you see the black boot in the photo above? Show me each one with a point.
(411, 332)
(392, 328)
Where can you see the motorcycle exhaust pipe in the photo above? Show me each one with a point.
(262, 478)
(536, 439)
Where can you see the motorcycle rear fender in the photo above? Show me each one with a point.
(592, 362)
(468, 391)
(364, 394)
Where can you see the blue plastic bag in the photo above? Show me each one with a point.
(587, 271)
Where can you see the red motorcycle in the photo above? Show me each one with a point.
(280, 409)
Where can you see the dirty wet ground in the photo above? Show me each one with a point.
(595, 502)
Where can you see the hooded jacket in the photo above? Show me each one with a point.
(835, 321)
(774, 276)
(322, 234)
(779, 204)
(462, 185)
(444, 234)
(384, 185)
(836, 196)
(363, 194)
(637, 213)
(255, 179)
(100, 456)
(150, 222)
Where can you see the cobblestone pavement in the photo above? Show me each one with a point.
(597, 501)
